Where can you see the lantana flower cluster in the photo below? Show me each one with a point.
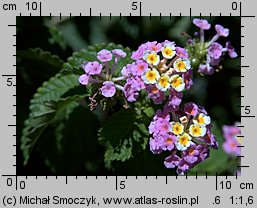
(232, 140)
(101, 73)
(159, 68)
(163, 71)
(186, 135)
(206, 55)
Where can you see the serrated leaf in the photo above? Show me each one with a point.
(41, 57)
(53, 89)
(119, 127)
(142, 128)
(118, 153)
(120, 134)
(46, 106)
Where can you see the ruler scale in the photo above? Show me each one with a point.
(128, 191)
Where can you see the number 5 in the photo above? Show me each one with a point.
(134, 5)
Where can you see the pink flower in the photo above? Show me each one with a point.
(191, 109)
(206, 69)
(126, 70)
(203, 24)
(108, 89)
(154, 46)
(172, 161)
(210, 139)
(167, 42)
(181, 52)
(169, 141)
(139, 68)
(231, 50)
(92, 68)
(140, 52)
(130, 90)
(175, 98)
(191, 154)
(231, 147)
(84, 79)
(188, 78)
(155, 94)
(221, 31)
(104, 55)
(119, 53)
(230, 132)
(155, 145)
(231, 144)
(215, 50)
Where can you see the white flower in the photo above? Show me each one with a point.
(168, 51)
(176, 128)
(183, 142)
(182, 65)
(163, 83)
(202, 119)
(150, 76)
(197, 130)
(177, 83)
(151, 58)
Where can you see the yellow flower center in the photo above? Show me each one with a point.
(200, 120)
(150, 75)
(177, 81)
(168, 51)
(164, 81)
(196, 130)
(181, 65)
(151, 58)
(183, 140)
(177, 128)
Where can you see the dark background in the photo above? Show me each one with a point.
(218, 93)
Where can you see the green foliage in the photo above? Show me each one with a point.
(45, 106)
(71, 146)
(120, 134)
(57, 37)
(43, 59)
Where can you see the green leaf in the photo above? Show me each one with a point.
(119, 153)
(74, 146)
(44, 59)
(120, 134)
(46, 106)
(119, 127)
(57, 37)
(149, 111)
(53, 89)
